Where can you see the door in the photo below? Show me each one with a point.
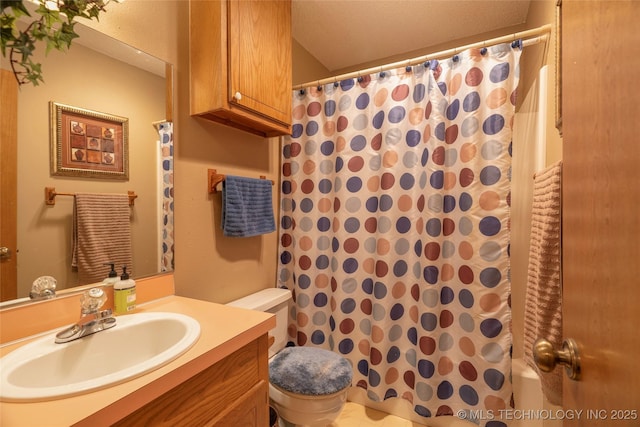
(8, 185)
(601, 208)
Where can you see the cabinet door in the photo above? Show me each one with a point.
(260, 57)
(251, 410)
(234, 392)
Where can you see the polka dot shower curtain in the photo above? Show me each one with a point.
(395, 229)
(165, 131)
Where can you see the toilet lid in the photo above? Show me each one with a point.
(310, 371)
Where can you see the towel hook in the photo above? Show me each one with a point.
(213, 179)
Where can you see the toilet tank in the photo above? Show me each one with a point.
(271, 300)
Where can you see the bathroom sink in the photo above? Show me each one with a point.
(139, 343)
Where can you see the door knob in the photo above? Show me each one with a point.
(5, 252)
(546, 357)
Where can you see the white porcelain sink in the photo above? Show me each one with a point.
(139, 343)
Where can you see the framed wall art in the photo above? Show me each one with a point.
(88, 144)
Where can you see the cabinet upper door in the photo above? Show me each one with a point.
(260, 57)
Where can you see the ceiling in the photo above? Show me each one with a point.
(341, 34)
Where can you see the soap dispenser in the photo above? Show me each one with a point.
(124, 294)
(113, 275)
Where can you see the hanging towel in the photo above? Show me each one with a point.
(543, 299)
(247, 209)
(101, 234)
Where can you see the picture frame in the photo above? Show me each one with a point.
(88, 144)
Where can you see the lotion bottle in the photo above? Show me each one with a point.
(113, 275)
(124, 294)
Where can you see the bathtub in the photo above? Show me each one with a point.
(527, 395)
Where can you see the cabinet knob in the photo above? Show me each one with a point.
(237, 96)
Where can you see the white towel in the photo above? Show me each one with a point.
(101, 234)
(543, 306)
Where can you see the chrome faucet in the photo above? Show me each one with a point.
(92, 319)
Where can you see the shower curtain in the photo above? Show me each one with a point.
(394, 232)
(165, 131)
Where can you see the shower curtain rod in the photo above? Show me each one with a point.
(531, 37)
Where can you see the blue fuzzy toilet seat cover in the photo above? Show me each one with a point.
(310, 371)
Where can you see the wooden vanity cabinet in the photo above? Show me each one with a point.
(232, 392)
(240, 64)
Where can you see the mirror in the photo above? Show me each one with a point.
(103, 75)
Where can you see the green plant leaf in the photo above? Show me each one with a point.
(17, 7)
(55, 28)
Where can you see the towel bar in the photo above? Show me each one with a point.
(50, 194)
(214, 178)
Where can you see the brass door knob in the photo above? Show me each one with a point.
(546, 357)
(5, 252)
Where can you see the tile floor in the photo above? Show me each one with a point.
(355, 415)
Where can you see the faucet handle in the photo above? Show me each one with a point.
(92, 300)
(44, 287)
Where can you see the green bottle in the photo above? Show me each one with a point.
(124, 294)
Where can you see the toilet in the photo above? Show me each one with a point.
(307, 385)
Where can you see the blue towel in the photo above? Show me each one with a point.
(247, 209)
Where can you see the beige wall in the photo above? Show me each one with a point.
(306, 68)
(216, 268)
(44, 232)
(208, 265)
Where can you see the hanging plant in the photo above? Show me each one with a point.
(53, 25)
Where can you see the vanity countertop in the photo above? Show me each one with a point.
(224, 329)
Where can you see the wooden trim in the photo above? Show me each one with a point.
(9, 185)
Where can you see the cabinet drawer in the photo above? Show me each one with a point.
(251, 410)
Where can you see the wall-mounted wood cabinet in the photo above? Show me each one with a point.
(240, 64)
